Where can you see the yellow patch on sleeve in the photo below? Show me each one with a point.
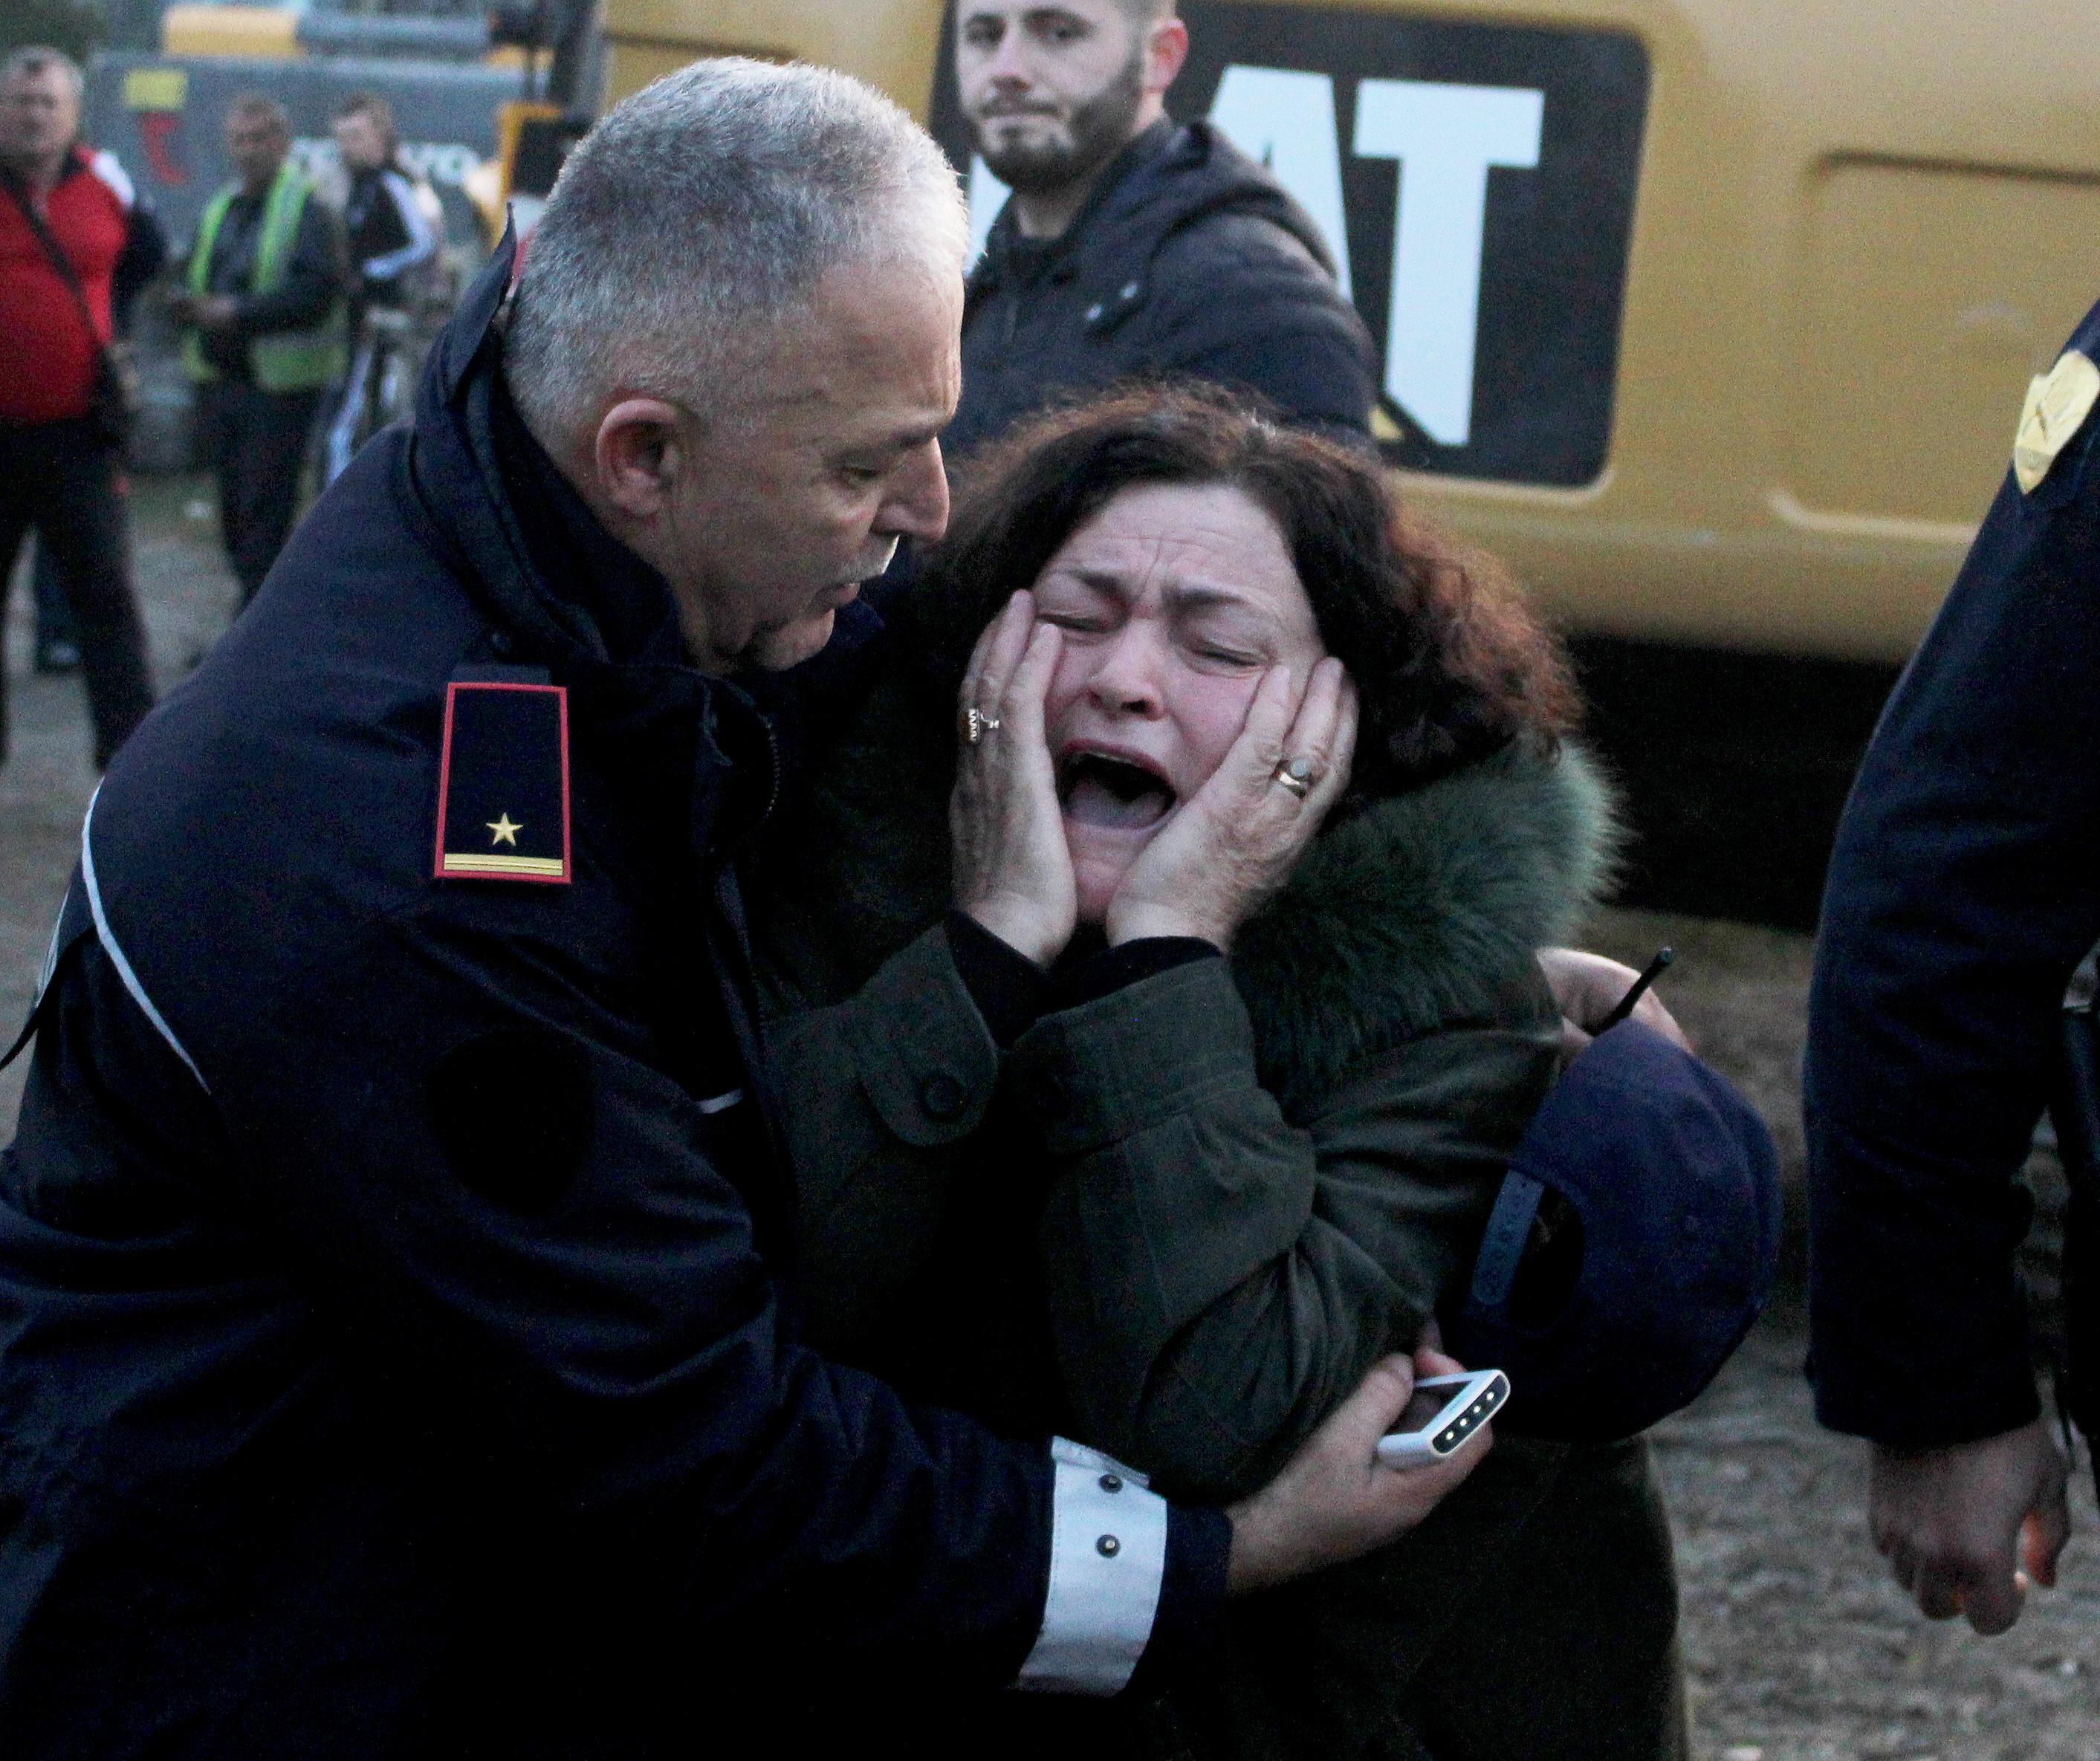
(2057, 405)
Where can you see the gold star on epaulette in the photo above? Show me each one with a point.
(505, 744)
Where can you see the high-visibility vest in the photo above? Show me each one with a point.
(288, 360)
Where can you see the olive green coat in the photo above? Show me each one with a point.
(1245, 1181)
(1261, 1174)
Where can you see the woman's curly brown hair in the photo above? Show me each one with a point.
(1449, 662)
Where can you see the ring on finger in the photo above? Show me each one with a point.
(1295, 775)
(976, 724)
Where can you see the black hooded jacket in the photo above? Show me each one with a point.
(1188, 257)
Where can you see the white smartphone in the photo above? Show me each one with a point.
(1440, 1415)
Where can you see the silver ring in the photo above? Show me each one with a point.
(1295, 775)
(977, 724)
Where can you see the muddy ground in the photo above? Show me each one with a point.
(1799, 1647)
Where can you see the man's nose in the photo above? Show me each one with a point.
(1008, 67)
(917, 504)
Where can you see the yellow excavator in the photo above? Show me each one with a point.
(1718, 318)
(1714, 319)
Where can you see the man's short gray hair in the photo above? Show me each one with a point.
(37, 58)
(702, 211)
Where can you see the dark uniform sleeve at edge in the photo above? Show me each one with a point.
(1242, 302)
(625, 1344)
(1963, 889)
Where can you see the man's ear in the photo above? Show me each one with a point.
(636, 455)
(1165, 51)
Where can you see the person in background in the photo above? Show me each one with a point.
(57, 649)
(391, 231)
(265, 310)
(1132, 244)
(74, 243)
(1962, 893)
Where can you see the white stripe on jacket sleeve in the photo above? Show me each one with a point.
(104, 166)
(107, 937)
(422, 240)
(1107, 1556)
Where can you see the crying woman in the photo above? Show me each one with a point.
(1172, 889)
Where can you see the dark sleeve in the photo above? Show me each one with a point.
(1219, 1279)
(145, 252)
(1242, 301)
(616, 1336)
(1007, 987)
(313, 278)
(1012, 991)
(1128, 963)
(1964, 887)
(413, 239)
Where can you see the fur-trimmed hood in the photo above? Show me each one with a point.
(1421, 911)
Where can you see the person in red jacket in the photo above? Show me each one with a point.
(61, 467)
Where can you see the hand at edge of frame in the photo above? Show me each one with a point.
(1965, 1526)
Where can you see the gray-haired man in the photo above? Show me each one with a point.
(75, 246)
(396, 1341)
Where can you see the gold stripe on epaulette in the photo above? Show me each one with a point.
(501, 865)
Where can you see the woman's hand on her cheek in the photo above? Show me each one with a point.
(1235, 841)
(1012, 869)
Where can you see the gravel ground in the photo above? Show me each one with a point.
(1798, 1646)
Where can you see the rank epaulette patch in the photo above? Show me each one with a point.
(503, 783)
(2058, 404)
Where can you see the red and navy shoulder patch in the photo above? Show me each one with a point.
(503, 783)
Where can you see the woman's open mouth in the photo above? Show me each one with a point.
(1118, 794)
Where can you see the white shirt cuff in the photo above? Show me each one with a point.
(1108, 1554)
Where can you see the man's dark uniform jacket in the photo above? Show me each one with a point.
(1964, 889)
(1188, 258)
(398, 1348)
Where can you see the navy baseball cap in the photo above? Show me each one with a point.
(1631, 1246)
